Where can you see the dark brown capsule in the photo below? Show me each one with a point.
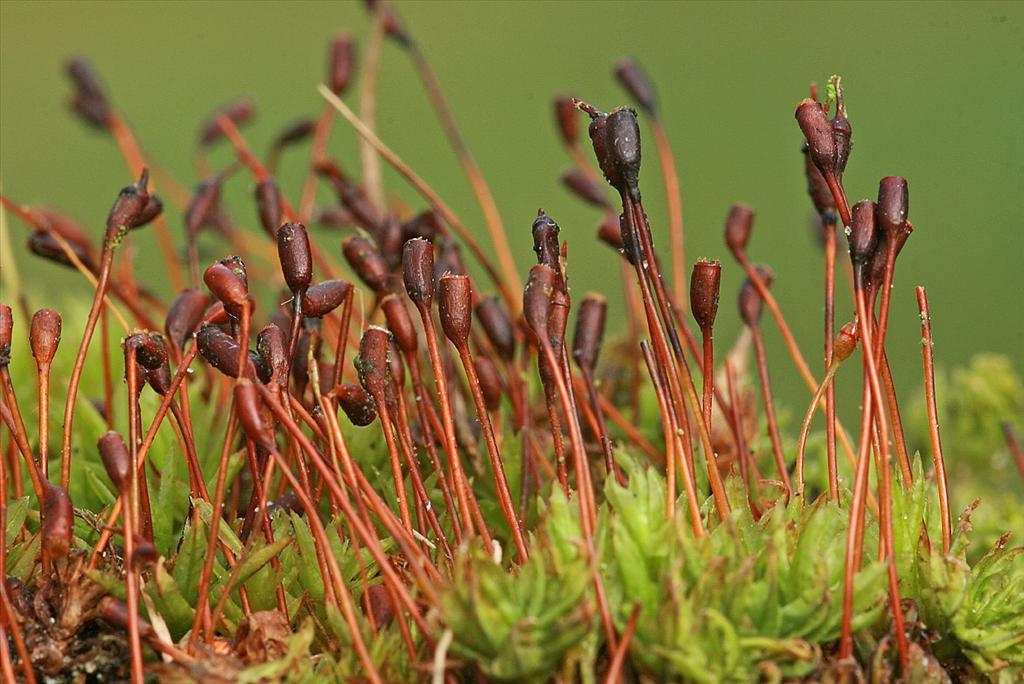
(389, 241)
(226, 285)
(610, 232)
(238, 112)
(44, 245)
(65, 226)
(154, 207)
(116, 460)
(351, 196)
(822, 198)
(545, 241)
(221, 351)
(86, 81)
(425, 225)
(623, 146)
(268, 205)
(537, 294)
(148, 349)
(738, 226)
(58, 521)
(144, 555)
(821, 145)
(89, 99)
(893, 206)
(636, 83)
(585, 188)
(325, 297)
(418, 271)
(293, 251)
(356, 403)
(586, 341)
(497, 325)
(863, 233)
(295, 132)
(373, 363)
(44, 336)
(272, 346)
(400, 323)
(309, 344)
(490, 382)
(366, 262)
(115, 612)
(341, 63)
(95, 113)
(184, 316)
(842, 132)
(203, 204)
(128, 206)
(333, 217)
(449, 260)
(750, 302)
(455, 308)
(567, 120)
(705, 285)
(247, 405)
(6, 334)
(159, 379)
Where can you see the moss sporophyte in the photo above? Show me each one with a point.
(373, 453)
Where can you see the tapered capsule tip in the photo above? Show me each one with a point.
(374, 363)
(586, 342)
(367, 263)
(324, 297)
(846, 341)
(455, 307)
(184, 315)
(116, 460)
(545, 240)
(58, 518)
(226, 285)
(817, 130)
(893, 203)
(129, 206)
(705, 286)
(44, 335)
(842, 132)
(356, 403)
(418, 271)
(294, 253)
(537, 299)
(636, 83)
(738, 226)
(565, 118)
(497, 325)
(341, 62)
(863, 232)
(750, 302)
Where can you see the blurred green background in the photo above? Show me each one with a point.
(933, 92)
